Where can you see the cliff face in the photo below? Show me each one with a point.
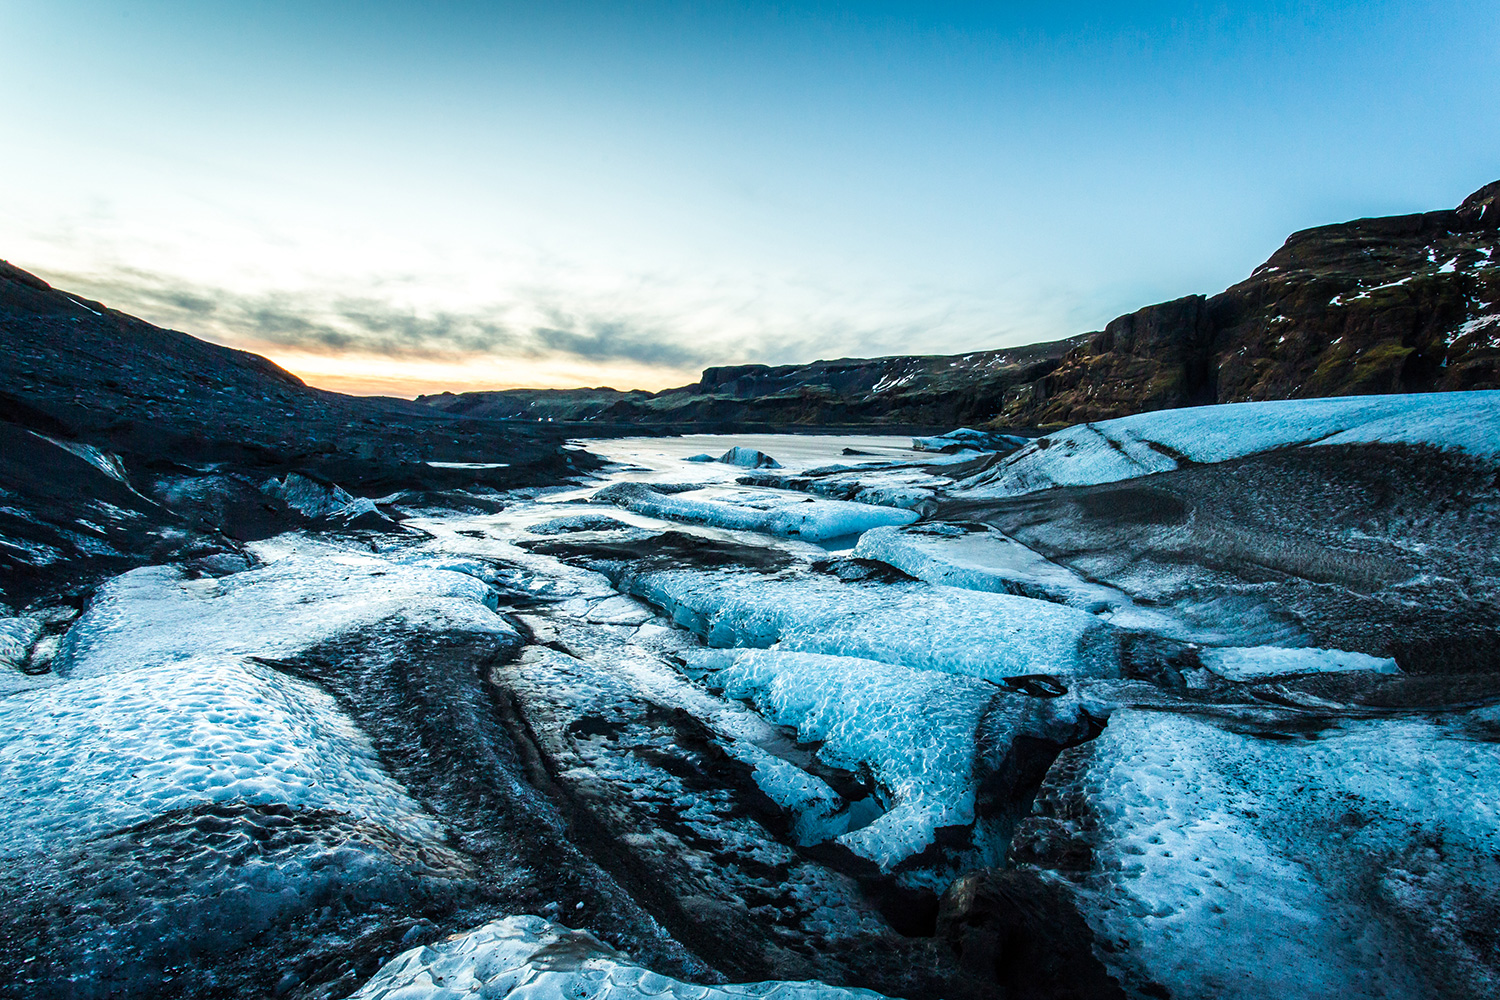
(1401, 304)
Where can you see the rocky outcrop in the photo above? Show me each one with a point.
(931, 392)
(1402, 304)
(123, 443)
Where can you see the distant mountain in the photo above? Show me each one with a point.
(933, 391)
(1401, 304)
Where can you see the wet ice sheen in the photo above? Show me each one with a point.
(913, 730)
(531, 958)
(989, 636)
(786, 515)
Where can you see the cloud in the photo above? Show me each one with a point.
(346, 324)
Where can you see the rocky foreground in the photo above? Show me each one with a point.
(1403, 304)
(1197, 703)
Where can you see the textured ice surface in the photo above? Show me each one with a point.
(970, 439)
(577, 522)
(1230, 865)
(991, 636)
(17, 635)
(118, 747)
(748, 458)
(531, 958)
(1239, 663)
(317, 499)
(160, 711)
(990, 561)
(1145, 443)
(913, 730)
(306, 592)
(769, 513)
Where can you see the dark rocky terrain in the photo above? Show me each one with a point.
(902, 393)
(1399, 304)
(124, 443)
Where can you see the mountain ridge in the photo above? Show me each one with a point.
(1384, 304)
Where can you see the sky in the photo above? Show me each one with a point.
(410, 197)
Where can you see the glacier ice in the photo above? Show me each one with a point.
(533, 959)
(1240, 663)
(317, 499)
(1222, 860)
(306, 592)
(975, 557)
(788, 516)
(119, 747)
(748, 458)
(1158, 441)
(990, 636)
(967, 438)
(913, 729)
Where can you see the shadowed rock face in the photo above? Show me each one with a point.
(1399, 304)
(1394, 304)
(122, 443)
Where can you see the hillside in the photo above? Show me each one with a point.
(124, 442)
(1400, 304)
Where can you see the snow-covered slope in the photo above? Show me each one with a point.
(1160, 441)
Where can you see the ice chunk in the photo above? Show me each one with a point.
(1145, 443)
(106, 751)
(748, 458)
(1227, 864)
(532, 959)
(991, 636)
(914, 730)
(307, 592)
(317, 499)
(578, 522)
(770, 513)
(967, 438)
(1241, 663)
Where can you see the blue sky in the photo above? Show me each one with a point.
(404, 196)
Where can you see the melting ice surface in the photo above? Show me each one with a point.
(163, 705)
(1138, 445)
(533, 958)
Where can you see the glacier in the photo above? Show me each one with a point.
(1162, 440)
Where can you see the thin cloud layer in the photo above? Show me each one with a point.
(312, 324)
